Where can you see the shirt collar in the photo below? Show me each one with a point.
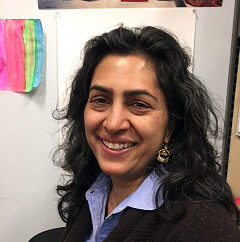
(100, 187)
(142, 198)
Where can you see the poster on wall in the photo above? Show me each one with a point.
(21, 54)
(74, 4)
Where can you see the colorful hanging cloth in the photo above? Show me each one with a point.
(21, 54)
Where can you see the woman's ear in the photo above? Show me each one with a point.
(169, 131)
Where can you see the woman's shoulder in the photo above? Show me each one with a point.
(206, 221)
(190, 221)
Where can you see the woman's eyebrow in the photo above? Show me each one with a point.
(101, 89)
(126, 93)
(139, 92)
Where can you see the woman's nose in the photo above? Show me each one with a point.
(116, 121)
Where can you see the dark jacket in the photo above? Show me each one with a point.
(201, 221)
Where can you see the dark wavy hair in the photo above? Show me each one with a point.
(192, 171)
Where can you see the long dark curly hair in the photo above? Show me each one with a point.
(192, 171)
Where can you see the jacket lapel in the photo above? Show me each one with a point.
(126, 224)
(81, 227)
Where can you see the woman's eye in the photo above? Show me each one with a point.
(99, 102)
(140, 105)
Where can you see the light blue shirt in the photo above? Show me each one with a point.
(142, 198)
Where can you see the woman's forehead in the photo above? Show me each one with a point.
(127, 75)
(136, 70)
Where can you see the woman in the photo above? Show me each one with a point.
(137, 146)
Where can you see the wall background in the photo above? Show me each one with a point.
(27, 130)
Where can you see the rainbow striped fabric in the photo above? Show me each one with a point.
(21, 54)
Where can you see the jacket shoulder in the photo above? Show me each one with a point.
(208, 221)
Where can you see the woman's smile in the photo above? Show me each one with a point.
(126, 118)
(117, 146)
(116, 150)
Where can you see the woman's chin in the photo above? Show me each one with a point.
(121, 173)
(113, 172)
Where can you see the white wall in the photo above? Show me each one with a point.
(28, 203)
(212, 49)
(28, 178)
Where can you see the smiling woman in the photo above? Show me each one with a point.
(137, 146)
(126, 118)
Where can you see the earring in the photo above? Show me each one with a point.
(163, 154)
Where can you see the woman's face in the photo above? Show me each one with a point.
(126, 118)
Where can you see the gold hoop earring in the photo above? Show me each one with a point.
(163, 154)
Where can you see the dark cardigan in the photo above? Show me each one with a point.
(202, 221)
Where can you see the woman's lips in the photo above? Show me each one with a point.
(115, 149)
(117, 146)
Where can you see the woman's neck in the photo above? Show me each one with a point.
(121, 189)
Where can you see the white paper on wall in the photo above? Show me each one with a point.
(238, 123)
(75, 27)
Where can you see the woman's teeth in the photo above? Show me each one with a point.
(117, 146)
